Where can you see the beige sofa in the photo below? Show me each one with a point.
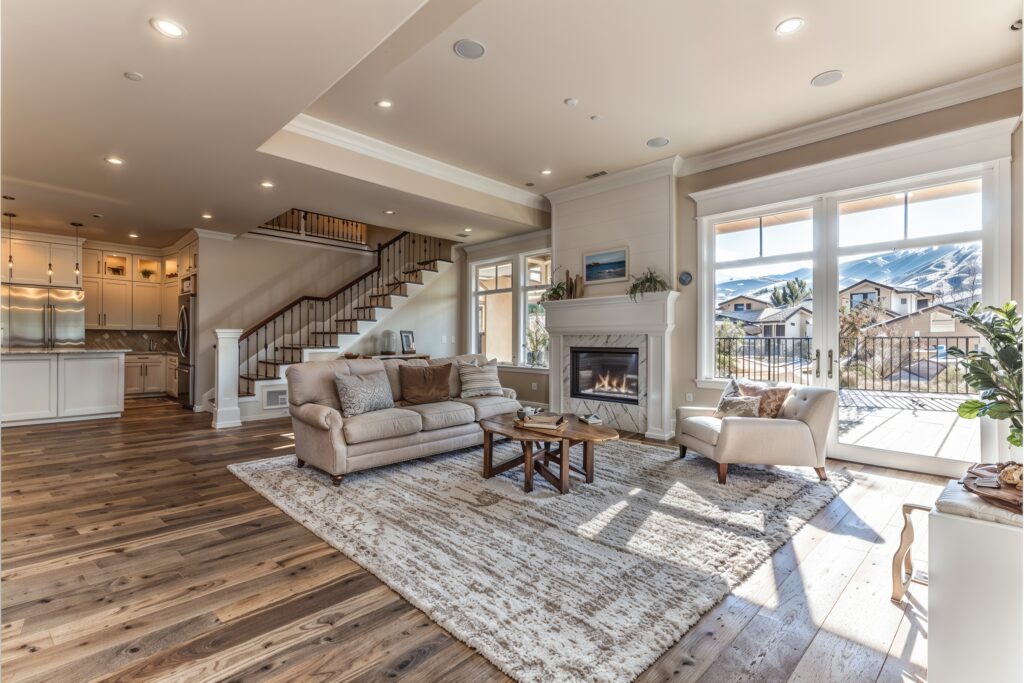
(337, 445)
(796, 437)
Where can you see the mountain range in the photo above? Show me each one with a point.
(951, 271)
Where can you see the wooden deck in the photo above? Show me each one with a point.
(131, 553)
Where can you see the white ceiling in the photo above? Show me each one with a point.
(705, 74)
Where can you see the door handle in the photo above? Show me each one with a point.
(830, 363)
(158, 323)
(817, 362)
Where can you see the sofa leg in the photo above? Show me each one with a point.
(301, 463)
(682, 451)
(723, 471)
(336, 479)
(821, 473)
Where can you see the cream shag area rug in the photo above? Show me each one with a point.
(591, 586)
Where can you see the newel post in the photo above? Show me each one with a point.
(225, 407)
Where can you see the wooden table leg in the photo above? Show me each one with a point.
(563, 470)
(488, 447)
(527, 466)
(588, 460)
(903, 575)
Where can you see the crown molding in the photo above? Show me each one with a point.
(332, 134)
(512, 240)
(976, 87)
(40, 236)
(137, 250)
(216, 234)
(669, 166)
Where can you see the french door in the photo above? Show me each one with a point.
(892, 262)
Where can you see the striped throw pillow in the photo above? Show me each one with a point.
(479, 380)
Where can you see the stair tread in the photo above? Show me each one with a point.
(257, 378)
(355, 320)
(363, 308)
(434, 260)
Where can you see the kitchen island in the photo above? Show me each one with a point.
(40, 386)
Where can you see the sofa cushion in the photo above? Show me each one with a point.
(391, 366)
(425, 385)
(360, 394)
(381, 424)
(772, 397)
(738, 406)
(489, 406)
(702, 427)
(314, 382)
(455, 386)
(443, 414)
(479, 380)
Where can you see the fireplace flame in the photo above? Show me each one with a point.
(611, 385)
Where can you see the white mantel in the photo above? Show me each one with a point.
(652, 316)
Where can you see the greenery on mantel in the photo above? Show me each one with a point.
(995, 374)
(647, 283)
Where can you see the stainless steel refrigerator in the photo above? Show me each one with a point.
(41, 318)
(186, 350)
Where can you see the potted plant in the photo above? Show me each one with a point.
(146, 273)
(647, 283)
(995, 374)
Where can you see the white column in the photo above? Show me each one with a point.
(555, 373)
(225, 408)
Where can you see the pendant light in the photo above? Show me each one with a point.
(78, 249)
(10, 243)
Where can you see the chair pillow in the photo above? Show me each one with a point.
(772, 398)
(479, 380)
(738, 406)
(360, 394)
(425, 384)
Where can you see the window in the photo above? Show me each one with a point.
(740, 307)
(780, 330)
(859, 298)
(903, 300)
(922, 303)
(508, 321)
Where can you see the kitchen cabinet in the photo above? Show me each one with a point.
(116, 265)
(93, 289)
(63, 258)
(145, 306)
(133, 383)
(188, 257)
(116, 304)
(144, 374)
(55, 387)
(90, 383)
(170, 266)
(31, 261)
(154, 378)
(172, 376)
(169, 306)
(146, 268)
(92, 263)
(29, 385)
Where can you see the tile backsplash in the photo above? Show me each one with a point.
(136, 340)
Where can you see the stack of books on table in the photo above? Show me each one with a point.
(547, 423)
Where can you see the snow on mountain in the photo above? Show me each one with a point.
(952, 271)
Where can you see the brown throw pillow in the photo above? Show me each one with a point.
(772, 398)
(425, 384)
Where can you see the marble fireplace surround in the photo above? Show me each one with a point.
(616, 321)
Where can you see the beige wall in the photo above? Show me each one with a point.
(523, 383)
(242, 281)
(995, 107)
(1016, 232)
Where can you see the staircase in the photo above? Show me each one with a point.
(323, 327)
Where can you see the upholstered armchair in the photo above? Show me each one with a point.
(796, 437)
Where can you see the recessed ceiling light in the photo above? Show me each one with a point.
(790, 25)
(384, 104)
(8, 197)
(467, 230)
(468, 49)
(827, 78)
(529, 184)
(207, 216)
(595, 117)
(266, 183)
(116, 161)
(1017, 25)
(657, 142)
(546, 171)
(460, 235)
(166, 27)
(133, 75)
(389, 212)
(133, 235)
(97, 215)
(570, 101)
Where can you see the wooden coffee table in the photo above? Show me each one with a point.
(541, 448)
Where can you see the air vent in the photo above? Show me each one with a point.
(596, 174)
(275, 398)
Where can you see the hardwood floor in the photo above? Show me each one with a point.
(130, 553)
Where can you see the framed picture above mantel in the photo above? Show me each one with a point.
(606, 265)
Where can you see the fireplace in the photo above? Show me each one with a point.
(605, 374)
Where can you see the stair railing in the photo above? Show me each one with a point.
(316, 321)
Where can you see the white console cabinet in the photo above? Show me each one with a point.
(58, 387)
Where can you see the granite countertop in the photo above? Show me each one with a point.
(26, 352)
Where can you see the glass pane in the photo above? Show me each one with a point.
(504, 275)
(945, 209)
(899, 387)
(791, 232)
(535, 335)
(764, 321)
(738, 240)
(538, 270)
(494, 326)
(866, 221)
(485, 278)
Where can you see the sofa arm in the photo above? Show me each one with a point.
(508, 393)
(766, 441)
(316, 415)
(683, 412)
